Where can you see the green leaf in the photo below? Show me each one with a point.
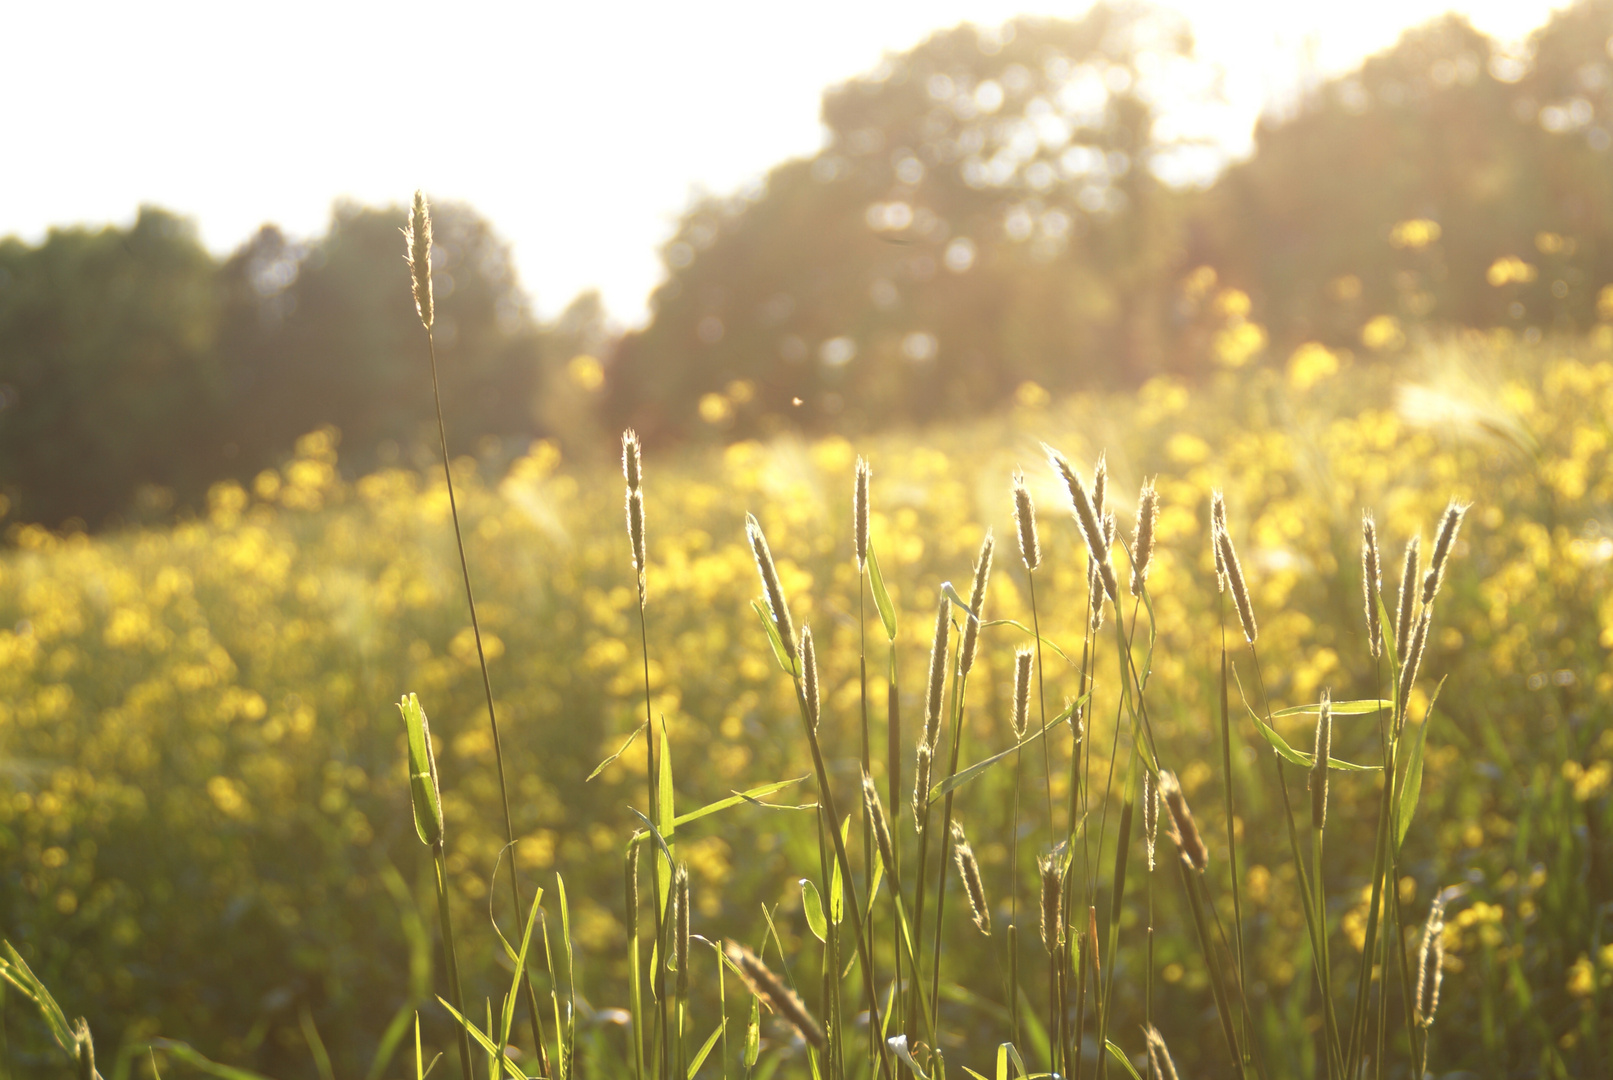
(15, 970)
(1002, 1061)
(1049, 642)
(735, 799)
(1411, 786)
(475, 1033)
(882, 600)
(705, 1050)
(665, 816)
(957, 780)
(1340, 708)
(568, 1051)
(753, 1033)
(837, 889)
(812, 904)
(785, 660)
(603, 765)
(422, 772)
(1280, 744)
(1120, 1056)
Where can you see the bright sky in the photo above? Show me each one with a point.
(579, 128)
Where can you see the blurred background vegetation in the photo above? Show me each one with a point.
(995, 213)
(1402, 295)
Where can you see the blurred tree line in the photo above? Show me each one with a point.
(997, 215)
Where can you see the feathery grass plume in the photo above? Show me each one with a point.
(808, 663)
(417, 253)
(1100, 482)
(921, 784)
(631, 889)
(1159, 1055)
(879, 823)
(938, 672)
(1086, 516)
(635, 533)
(1371, 582)
(1022, 691)
(859, 513)
(1430, 972)
(774, 994)
(1414, 660)
(1448, 525)
(1218, 525)
(1406, 611)
(1240, 590)
(1142, 537)
(424, 790)
(1323, 748)
(1150, 814)
(680, 934)
(977, 601)
(1052, 903)
(1025, 521)
(632, 459)
(969, 871)
(770, 583)
(1183, 831)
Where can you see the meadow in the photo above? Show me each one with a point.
(210, 853)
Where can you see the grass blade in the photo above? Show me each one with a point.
(1411, 786)
(882, 600)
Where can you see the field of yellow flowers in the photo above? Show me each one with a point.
(205, 830)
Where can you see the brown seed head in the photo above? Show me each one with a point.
(921, 785)
(774, 994)
(1323, 750)
(417, 253)
(880, 824)
(977, 601)
(1183, 831)
(1240, 590)
(1371, 582)
(808, 664)
(1448, 525)
(859, 514)
(1022, 692)
(969, 871)
(1142, 537)
(938, 671)
(770, 584)
(1406, 611)
(1052, 903)
(1025, 521)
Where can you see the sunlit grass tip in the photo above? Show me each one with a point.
(969, 871)
(1150, 798)
(1087, 517)
(1405, 611)
(1323, 748)
(1238, 587)
(770, 583)
(1183, 831)
(1030, 548)
(1431, 963)
(1371, 582)
(1142, 537)
(977, 601)
(859, 513)
(936, 687)
(417, 253)
(1443, 541)
(809, 676)
(1022, 690)
(1218, 525)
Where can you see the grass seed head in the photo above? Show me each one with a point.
(1218, 525)
(1240, 589)
(1087, 517)
(680, 897)
(977, 601)
(808, 663)
(417, 253)
(1323, 750)
(1159, 1055)
(770, 583)
(1142, 537)
(1183, 830)
(859, 514)
(1406, 612)
(635, 534)
(1448, 525)
(921, 784)
(1150, 814)
(1431, 963)
(1052, 903)
(1100, 482)
(1371, 582)
(425, 793)
(969, 871)
(1022, 691)
(632, 460)
(775, 995)
(880, 824)
(1408, 671)
(938, 671)
(1025, 521)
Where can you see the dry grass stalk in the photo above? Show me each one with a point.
(774, 994)
(1431, 963)
(1142, 537)
(1235, 582)
(1052, 903)
(1025, 522)
(1371, 582)
(1406, 612)
(417, 252)
(1183, 830)
(859, 514)
(880, 825)
(770, 583)
(1022, 691)
(969, 871)
(1323, 749)
(934, 691)
(1443, 541)
(808, 663)
(977, 600)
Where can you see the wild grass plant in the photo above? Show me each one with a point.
(201, 709)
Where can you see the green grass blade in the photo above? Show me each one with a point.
(475, 1033)
(1362, 707)
(568, 1051)
(200, 1062)
(1288, 753)
(813, 905)
(962, 777)
(1120, 1056)
(1411, 786)
(316, 1045)
(15, 970)
(782, 655)
(1049, 642)
(390, 1038)
(735, 799)
(706, 1048)
(882, 600)
(603, 765)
